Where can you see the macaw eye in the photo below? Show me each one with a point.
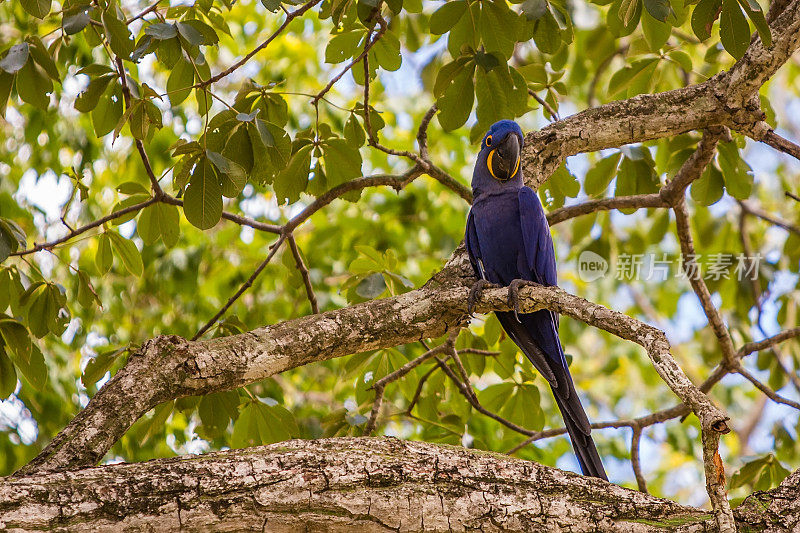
(489, 140)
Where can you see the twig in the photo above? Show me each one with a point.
(764, 344)
(772, 219)
(591, 100)
(367, 47)
(418, 391)
(144, 13)
(699, 286)
(466, 391)
(126, 93)
(289, 18)
(99, 222)
(544, 104)
(771, 394)
(637, 201)
(380, 386)
(781, 144)
(246, 285)
(301, 267)
(635, 462)
(422, 132)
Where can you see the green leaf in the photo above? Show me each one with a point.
(737, 174)
(708, 189)
(119, 36)
(614, 18)
(159, 220)
(6, 83)
(387, 52)
(16, 338)
(600, 175)
(8, 377)
(216, 412)
(132, 187)
(534, 9)
(444, 18)
(38, 8)
(202, 202)
(734, 31)
(564, 183)
(16, 58)
(371, 286)
(547, 34)
(34, 370)
(88, 99)
(682, 59)
(656, 32)
(756, 14)
(342, 161)
(354, 133)
(658, 9)
(33, 85)
(259, 424)
(161, 30)
(76, 19)
(343, 46)
(636, 174)
(42, 57)
(627, 9)
(190, 33)
(499, 28)
(703, 17)
(85, 293)
(232, 174)
(103, 258)
(127, 251)
(293, 179)
(180, 81)
(623, 78)
(207, 33)
(98, 365)
(456, 103)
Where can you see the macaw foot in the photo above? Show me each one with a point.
(513, 294)
(476, 292)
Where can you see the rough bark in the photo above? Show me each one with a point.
(356, 484)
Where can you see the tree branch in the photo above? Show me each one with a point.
(349, 484)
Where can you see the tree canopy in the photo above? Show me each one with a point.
(204, 168)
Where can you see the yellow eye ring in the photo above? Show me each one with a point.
(489, 140)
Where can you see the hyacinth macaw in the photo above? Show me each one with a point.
(509, 244)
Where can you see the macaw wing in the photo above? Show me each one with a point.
(536, 236)
(473, 248)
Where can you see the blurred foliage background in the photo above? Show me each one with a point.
(257, 142)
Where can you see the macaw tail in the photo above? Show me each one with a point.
(582, 444)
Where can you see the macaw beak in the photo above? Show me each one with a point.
(504, 160)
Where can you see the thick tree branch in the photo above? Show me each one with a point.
(345, 484)
(358, 484)
(725, 99)
(170, 367)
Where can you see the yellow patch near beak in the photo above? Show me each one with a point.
(489, 164)
(491, 171)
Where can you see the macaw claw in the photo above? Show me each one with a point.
(476, 292)
(513, 294)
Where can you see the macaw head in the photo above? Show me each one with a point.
(498, 162)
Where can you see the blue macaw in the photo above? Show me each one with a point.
(509, 244)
